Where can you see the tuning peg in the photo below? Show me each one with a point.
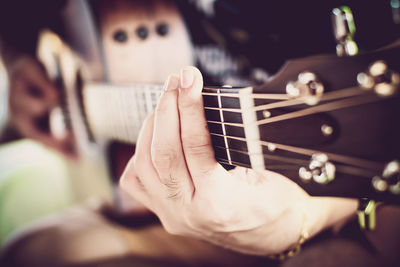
(320, 169)
(379, 77)
(307, 86)
(344, 29)
(389, 180)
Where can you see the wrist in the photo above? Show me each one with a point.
(313, 215)
(328, 212)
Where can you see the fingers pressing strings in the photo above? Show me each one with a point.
(195, 137)
(166, 149)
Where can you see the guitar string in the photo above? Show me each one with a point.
(274, 157)
(159, 89)
(346, 103)
(278, 168)
(352, 91)
(343, 93)
(343, 169)
(309, 111)
(367, 164)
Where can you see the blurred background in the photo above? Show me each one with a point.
(232, 42)
(33, 179)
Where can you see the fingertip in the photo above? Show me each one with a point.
(191, 84)
(190, 76)
(172, 82)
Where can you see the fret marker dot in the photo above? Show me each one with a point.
(271, 147)
(120, 36)
(142, 32)
(162, 29)
(266, 114)
(326, 130)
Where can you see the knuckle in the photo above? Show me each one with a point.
(173, 190)
(197, 145)
(163, 157)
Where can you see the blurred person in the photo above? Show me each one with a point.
(201, 206)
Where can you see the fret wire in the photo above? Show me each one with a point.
(120, 119)
(106, 115)
(149, 106)
(221, 114)
(138, 108)
(114, 112)
(367, 164)
(126, 119)
(135, 109)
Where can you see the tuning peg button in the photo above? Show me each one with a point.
(379, 77)
(389, 180)
(307, 86)
(320, 169)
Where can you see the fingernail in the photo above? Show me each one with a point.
(172, 83)
(187, 77)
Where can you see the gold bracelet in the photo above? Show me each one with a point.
(289, 253)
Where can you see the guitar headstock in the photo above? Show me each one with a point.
(328, 123)
(338, 131)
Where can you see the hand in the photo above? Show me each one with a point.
(174, 173)
(32, 97)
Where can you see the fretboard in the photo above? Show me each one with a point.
(117, 112)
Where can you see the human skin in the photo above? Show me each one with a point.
(32, 98)
(175, 175)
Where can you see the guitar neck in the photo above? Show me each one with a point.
(116, 112)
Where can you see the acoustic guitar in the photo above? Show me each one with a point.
(329, 123)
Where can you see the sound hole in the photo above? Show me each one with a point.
(120, 36)
(162, 29)
(142, 32)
